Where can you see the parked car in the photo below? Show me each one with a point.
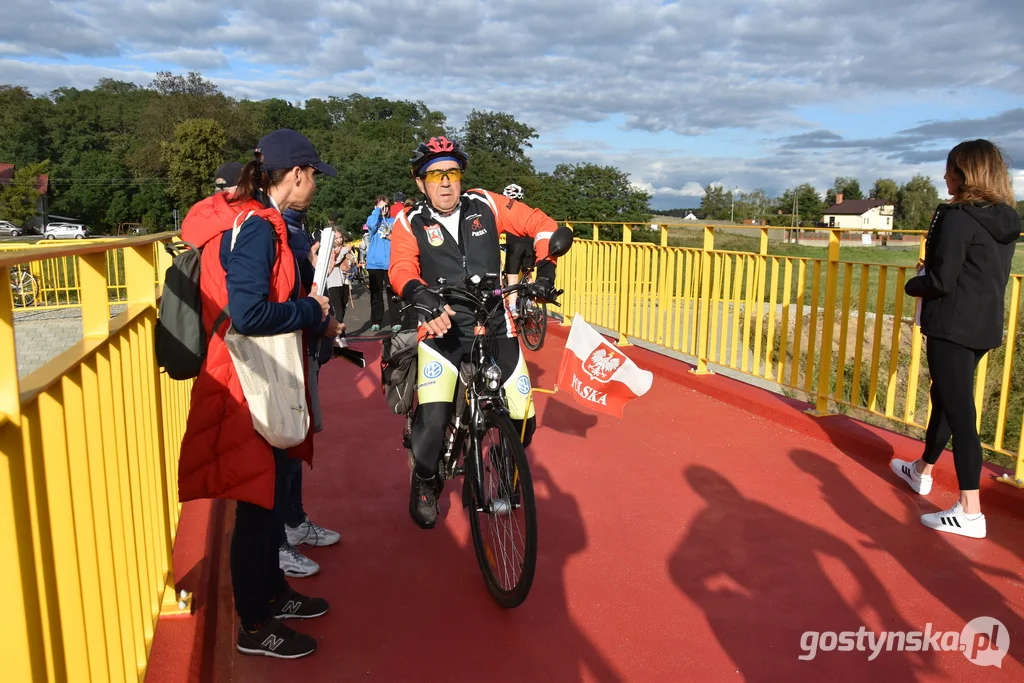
(65, 231)
(10, 229)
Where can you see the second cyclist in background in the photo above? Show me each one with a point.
(519, 252)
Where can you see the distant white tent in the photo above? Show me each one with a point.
(690, 217)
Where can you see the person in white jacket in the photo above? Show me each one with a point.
(339, 291)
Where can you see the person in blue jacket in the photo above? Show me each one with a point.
(378, 260)
(298, 528)
(281, 177)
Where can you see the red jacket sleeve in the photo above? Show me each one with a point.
(520, 220)
(405, 255)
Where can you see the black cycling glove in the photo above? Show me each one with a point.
(544, 285)
(429, 305)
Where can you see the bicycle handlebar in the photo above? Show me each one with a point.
(475, 298)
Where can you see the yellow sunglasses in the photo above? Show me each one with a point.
(454, 175)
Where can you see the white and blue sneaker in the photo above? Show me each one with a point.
(295, 564)
(310, 533)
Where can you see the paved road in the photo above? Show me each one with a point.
(687, 541)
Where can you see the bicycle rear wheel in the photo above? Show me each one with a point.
(534, 322)
(503, 516)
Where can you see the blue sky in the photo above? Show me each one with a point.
(747, 94)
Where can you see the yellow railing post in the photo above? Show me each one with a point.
(664, 235)
(704, 312)
(24, 644)
(627, 233)
(827, 324)
(597, 232)
(761, 275)
(566, 275)
(625, 291)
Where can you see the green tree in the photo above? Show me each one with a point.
(496, 144)
(848, 186)
(715, 203)
(83, 188)
(886, 189)
(807, 202)
(19, 199)
(23, 130)
(193, 158)
(916, 203)
(751, 205)
(598, 193)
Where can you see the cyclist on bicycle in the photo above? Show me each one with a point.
(452, 235)
(519, 253)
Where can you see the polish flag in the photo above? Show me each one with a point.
(597, 373)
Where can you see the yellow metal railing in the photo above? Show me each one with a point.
(839, 334)
(88, 483)
(51, 283)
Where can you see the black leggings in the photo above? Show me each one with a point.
(339, 297)
(428, 423)
(380, 289)
(953, 414)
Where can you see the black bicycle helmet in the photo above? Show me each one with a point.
(436, 148)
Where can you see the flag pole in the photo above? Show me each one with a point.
(529, 403)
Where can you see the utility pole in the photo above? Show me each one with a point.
(795, 222)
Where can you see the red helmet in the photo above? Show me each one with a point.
(436, 148)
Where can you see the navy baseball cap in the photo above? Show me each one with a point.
(229, 173)
(287, 148)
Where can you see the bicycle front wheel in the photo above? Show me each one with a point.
(503, 515)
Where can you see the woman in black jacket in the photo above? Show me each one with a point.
(962, 283)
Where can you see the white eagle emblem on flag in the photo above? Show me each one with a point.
(602, 364)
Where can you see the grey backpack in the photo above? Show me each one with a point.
(398, 370)
(180, 338)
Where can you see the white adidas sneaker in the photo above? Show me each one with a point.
(907, 471)
(955, 521)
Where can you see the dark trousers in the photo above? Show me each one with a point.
(429, 420)
(380, 289)
(256, 576)
(288, 490)
(953, 414)
(339, 298)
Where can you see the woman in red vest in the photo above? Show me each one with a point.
(222, 455)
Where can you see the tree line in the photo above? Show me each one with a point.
(123, 153)
(914, 202)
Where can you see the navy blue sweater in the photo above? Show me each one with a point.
(249, 266)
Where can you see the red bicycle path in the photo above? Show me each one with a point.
(698, 538)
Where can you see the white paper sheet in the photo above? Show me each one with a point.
(323, 261)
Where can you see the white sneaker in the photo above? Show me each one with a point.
(308, 533)
(955, 521)
(907, 471)
(295, 564)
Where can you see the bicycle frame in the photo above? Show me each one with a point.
(478, 389)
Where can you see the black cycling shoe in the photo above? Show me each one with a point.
(423, 501)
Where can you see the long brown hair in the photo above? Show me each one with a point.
(982, 170)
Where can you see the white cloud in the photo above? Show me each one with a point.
(686, 70)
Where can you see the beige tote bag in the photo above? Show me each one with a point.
(270, 371)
